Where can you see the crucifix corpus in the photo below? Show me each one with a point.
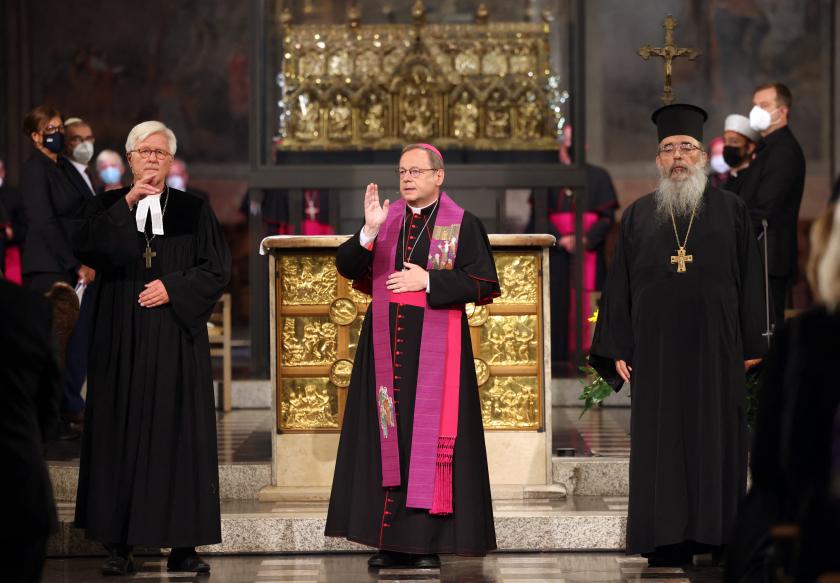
(680, 259)
(669, 51)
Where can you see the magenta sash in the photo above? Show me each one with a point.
(435, 424)
(564, 222)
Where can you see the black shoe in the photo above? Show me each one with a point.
(668, 559)
(118, 565)
(189, 563)
(425, 561)
(67, 432)
(389, 559)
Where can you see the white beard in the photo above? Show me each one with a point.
(680, 196)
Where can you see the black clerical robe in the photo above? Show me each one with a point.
(360, 508)
(149, 469)
(686, 336)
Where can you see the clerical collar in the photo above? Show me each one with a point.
(419, 209)
(146, 206)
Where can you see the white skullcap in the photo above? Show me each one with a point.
(740, 124)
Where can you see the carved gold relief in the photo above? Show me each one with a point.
(510, 403)
(358, 296)
(309, 341)
(355, 332)
(510, 340)
(308, 403)
(308, 279)
(517, 278)
(433, 82)
(482, 371)
(340, 372)
(476, 315)
(343, 311)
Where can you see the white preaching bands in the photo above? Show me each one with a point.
(150, 204)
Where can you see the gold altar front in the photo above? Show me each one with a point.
(316, 319)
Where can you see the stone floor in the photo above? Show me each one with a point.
(352, 568)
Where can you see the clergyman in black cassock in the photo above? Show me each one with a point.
(680, 316)
(361, 509)
(149, 468)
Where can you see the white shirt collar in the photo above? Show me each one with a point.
(150, 204)
(418, 209)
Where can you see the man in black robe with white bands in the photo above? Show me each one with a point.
(411, 474)
(149, 469)
(681, 318)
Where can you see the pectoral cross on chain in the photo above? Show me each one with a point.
(147, 255)
(680, 259)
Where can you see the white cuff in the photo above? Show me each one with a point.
(364, 240)
(428, 283)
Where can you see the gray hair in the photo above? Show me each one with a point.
(147, 128)
(683, 196)
(109, 156)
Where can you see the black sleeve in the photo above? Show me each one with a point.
(780, 173)
(354, 261)
(613, 339)
(39, 205)
(194, 292)
(474, 277)
(105, 234)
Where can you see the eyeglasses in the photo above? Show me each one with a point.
(52, 129)
(145, 153)
(415, 172)
(683, 147)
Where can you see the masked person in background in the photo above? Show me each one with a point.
(78, 152)
(740, 142)
(773, 188)
(48, 199)
(110, 169)
(717, 163)
(179, 179)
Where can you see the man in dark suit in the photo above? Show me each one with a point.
(773, 188)
(29, 396)
(75, 163)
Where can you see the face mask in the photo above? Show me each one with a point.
(733, 156)
(110, 175)
(83, 152)
(176, 182)
(54, 142)
(761, 119)
(718, 164)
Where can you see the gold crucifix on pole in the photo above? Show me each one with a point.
(669, 51)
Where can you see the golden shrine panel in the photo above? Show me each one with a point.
(319, 322)
(485, 86)
(308, 279)
(509, 340)
(510, 402)
(518, 278)
(309, 341)
(308, 403)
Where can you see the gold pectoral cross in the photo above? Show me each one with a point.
(147, 255)
(680, 259)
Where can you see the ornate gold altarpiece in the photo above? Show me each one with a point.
(482, 86)
(316, 318)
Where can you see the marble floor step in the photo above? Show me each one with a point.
(237, 481)
(592, 476)
(580, 523)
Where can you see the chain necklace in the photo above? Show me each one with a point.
(148, 253)
(405, 234)
(680, 259)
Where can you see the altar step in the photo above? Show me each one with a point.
(579, 523)
(244, 481)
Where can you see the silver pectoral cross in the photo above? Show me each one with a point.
(147, 255)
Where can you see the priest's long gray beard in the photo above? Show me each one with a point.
(680, 195)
